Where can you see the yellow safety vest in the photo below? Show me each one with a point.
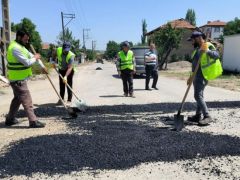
(69, 56)
(126, 61)
(16, 70)
(211, 68)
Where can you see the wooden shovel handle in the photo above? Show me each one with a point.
(190, 84)
(33, 50)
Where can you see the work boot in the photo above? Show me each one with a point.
(196, 118)
(131, 95)
(59, 102)
(36, 124)
(205, 121)
(155, 88)
(68, 103)
(10, 122)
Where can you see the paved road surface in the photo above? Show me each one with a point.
(121, 137)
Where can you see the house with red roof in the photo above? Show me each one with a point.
(185, 47)
(213, 29)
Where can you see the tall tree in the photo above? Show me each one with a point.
(27, 24)
(166, 39)
(144, 31)
(112, 49)
(191, 17)
(69, 37)
(232, 27)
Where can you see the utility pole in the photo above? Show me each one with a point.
(93, 45)
(69, 16)
(5, 33)
(85, 37)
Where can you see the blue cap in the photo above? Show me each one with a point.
(125, 43)
(66, 46)
(195, 34)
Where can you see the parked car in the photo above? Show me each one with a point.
(139, 52)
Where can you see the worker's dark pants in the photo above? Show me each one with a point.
(62, 85)
(151, 71)
(21, 96)
(199, 86)
(127, 78)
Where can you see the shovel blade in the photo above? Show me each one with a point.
(72, 113)
(178, 122)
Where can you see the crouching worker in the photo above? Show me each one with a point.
(209, 69)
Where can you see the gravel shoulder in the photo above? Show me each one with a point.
(121, 138)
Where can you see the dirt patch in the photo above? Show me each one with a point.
(181, 70)
(183, 65)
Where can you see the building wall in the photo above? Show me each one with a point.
(213, 32)
(185, 47)
(216, 32)
(231, 53)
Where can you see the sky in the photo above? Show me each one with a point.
(113, 19)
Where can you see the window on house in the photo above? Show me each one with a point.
(217, 29)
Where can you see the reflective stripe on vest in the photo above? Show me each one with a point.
(69, 56)
(16, 70)
(126, 60)
(211, 68)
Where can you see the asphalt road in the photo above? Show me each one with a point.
(120, 137)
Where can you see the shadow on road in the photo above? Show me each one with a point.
(114, 137)
(135, 76)
(111, 96)
(50, 110)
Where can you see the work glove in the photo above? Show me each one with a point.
(204, 47)
(65, 80)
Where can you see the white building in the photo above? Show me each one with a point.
(213, 29)
(231, 53)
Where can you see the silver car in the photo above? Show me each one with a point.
(139, 52)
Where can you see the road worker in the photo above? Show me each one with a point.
(126, 64)
(210, 68)
(19, 65)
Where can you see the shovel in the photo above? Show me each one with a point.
(70, 111)
(3, 79)
(178, 118)
(80, 104)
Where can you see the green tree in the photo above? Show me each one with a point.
(112, 49)
(130, 43)
(144, 31)
(27, 24)
(166, 39)
(191, 17)
(69, 37)
(91, 55)
(232, 27)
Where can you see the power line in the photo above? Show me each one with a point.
(85, 37)
(68, 16)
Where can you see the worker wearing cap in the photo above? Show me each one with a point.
(19, 65)
(151, 67)
(209, 69)
(65, 60)
(126, 65)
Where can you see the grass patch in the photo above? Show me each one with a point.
(36, 69)
(228, 81)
